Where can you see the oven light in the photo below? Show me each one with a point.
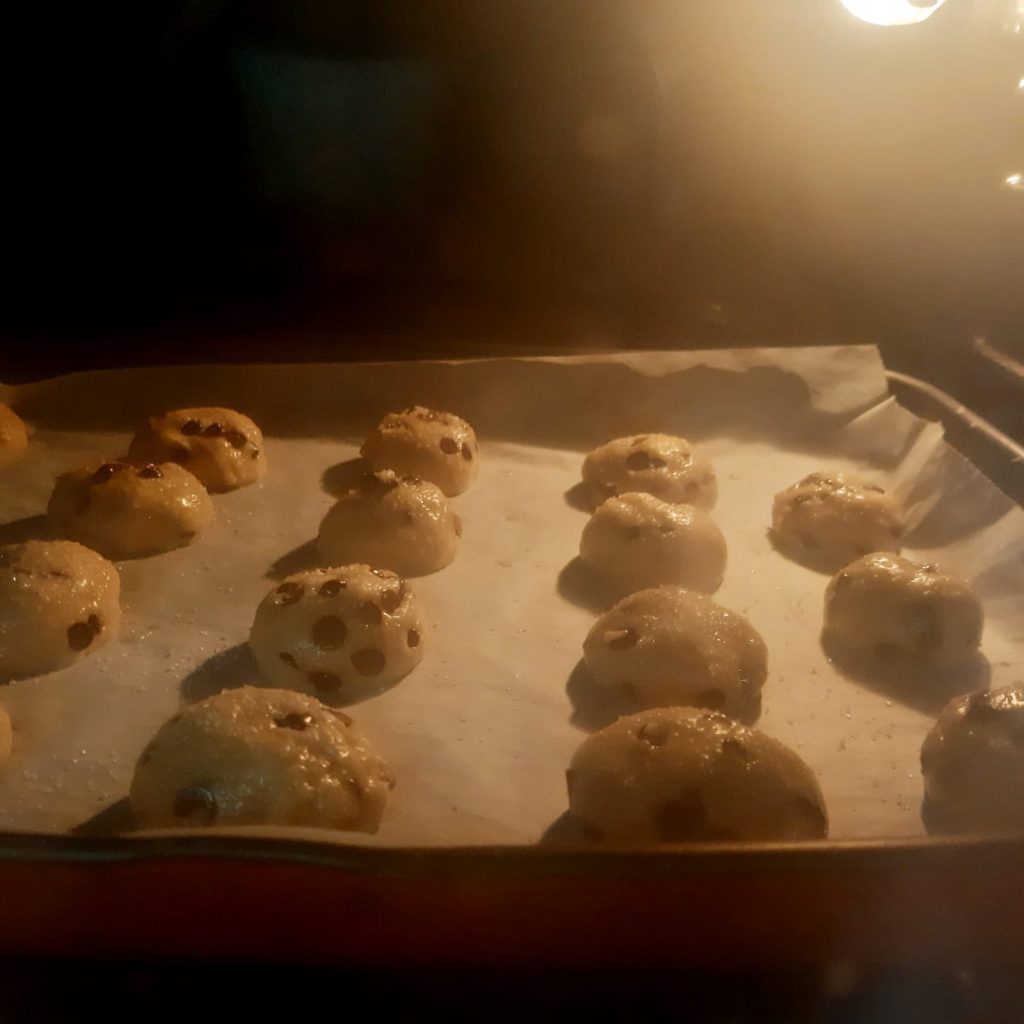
(1015, 181)
(892, 12)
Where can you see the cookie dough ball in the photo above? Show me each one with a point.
(670, 646)
(973, 763)
(638, 540)
(434, 446)
(658, 464)
(6, 736)
(683, 775)
(260, 757)
(900, 613)
(342, 634)
(59, 601)
(127, 511)
(221, 447)
(398, 523)
(830, 519)
(13, 435)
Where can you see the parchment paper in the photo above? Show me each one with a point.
(480, 734)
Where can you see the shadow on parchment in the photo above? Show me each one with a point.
(565, 830)
(114, 820)
(580, 585)
(340, 478)
(30, 528)
(581, 497)
(926, 688)
(306, 556)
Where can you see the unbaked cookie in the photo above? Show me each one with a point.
(221, 447)
(260, 757)
(13, 435)
(887, 607)
(972, 761)
(398, 523)
(830, 519)
(431, 445)
(128, 511)
(58, 603)
(684, 775)
(340, 633)
(670, 646)
(6, 736)
(659, 464)
(637, 541)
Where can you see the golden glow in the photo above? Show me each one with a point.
(1015, 181)
(892, 12)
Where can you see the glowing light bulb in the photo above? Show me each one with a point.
(892, 12)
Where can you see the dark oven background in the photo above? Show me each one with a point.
(248, 179)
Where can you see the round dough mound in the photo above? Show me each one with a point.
(832, 518)
(222, 448)
(669, 646)
(398, 523)
(13, 435)
(684, 775)
(340, 633)
(657, 464)
(973, 763)
(6, 736)
(126, 511)
(901, 613)
(638, 541)
(434, 446)
(260, 757)
(58, 603)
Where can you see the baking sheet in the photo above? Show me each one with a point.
(480, 734)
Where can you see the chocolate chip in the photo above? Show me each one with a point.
(457, 526)
(713, 700)
(467, 453)
(294, 721)
(191, 427)
(655, 734)
(391, 600)
(682, 820)
(150, 472)
(195, 803)
(288, 659)
(370, 613)
(326, 682)
(448, 445)
(80, 635)
(105, 472)
(329, 632)
(289, 592)
(331, 588)
(638, 461)
(413, 638)
(236, 439)
(621, 639)
(213, 430)
(94, 623)
(369, 661)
